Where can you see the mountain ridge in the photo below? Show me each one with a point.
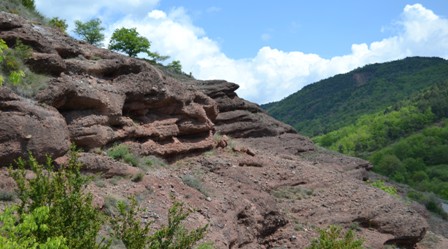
(337, 101)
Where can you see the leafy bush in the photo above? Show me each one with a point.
(122, 152)
(58, 23)
(23, 232)
(56, 212)
(134, 235)
(333, 238)
(18, 76)
(388, 189)
(29, 4)
(73, 217)
(138, 177)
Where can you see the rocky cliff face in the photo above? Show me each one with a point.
(262, 185)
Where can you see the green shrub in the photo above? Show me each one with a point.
(29, 4)
(388, 189)
(18, 76)
(7, 196)
(58, 23)
(122, 152)
(73, 216)
(333, 238)
(138, 177)
(23, 232)
(55, 212)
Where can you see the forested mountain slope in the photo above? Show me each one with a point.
(407, 141)
(340, 100)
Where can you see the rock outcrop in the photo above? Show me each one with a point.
(238, 117)
(264, 185)
(27, 126)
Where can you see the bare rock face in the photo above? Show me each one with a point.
(238, 117)
(26, 126)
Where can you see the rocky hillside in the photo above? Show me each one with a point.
(253, 179)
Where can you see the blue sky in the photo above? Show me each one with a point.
(272, 48)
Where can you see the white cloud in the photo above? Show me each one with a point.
(272, 74)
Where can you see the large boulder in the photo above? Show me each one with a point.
(27, 126)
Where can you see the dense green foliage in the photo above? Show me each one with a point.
(340, 100)
(136, 236)
(15, 74)
(407, 141)
(90, 31)
(11, 63)
(55, 212)
(60, 193)
(129, 41)
(58, 23)
(175, 66)
(334, 238)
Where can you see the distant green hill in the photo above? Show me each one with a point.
(407, 142)
(340, 100)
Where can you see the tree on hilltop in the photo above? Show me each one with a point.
(90, 31)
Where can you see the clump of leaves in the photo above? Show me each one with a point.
(136, 235)
(56, 212)
(58, 23)
(17, 75)
(122, 152)
(388, 189)
(334, 238)
(74, 220)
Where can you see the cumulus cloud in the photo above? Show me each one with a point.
(271, 74)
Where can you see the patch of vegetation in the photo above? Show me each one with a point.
(386, 188)
(135, 235)
(7, 196)
(193, 182)
(15, 74)
(123, 153)
(56, 212)
(24, 8)
(74, 222)
(58, 23)
(334, 238)
(292, 192)
(138, 177)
